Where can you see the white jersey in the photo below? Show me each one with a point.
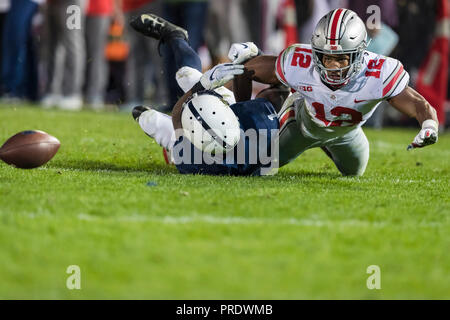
(325, 113)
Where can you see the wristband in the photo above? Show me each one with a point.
(430, 123)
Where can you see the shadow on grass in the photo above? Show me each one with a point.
(164, 169)
(309, 174)
(95, 165)
(290, 175)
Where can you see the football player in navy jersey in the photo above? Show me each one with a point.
(209, 132)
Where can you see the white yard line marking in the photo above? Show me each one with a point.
(250, 221)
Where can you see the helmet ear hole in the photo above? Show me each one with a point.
(320, 57)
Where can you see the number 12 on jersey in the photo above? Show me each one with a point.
(355, 116)
(301, 60)
(374, 68)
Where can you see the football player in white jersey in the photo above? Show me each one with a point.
(336, 87)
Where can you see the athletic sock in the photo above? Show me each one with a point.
(158, 126)
(187, 77)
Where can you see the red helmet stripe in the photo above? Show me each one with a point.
(334, 25)
(329, 26)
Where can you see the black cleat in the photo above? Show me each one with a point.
(137, 111)
(156, 27)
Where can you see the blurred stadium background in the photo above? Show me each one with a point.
(105, 65)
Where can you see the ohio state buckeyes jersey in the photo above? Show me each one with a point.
(325, 113)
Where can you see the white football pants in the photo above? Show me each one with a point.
(349, 152)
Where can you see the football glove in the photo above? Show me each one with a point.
(427, 135)
(242, 52)
(220, 74)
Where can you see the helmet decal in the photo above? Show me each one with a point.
(209, 122)
(206, 126)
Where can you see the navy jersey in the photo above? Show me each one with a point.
(247, 158)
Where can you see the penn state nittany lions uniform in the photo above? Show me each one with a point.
(316, 116)
(259, 115)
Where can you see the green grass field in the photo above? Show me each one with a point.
(108, 203)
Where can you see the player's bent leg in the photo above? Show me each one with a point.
(291, 141)
(156, 27)
(173, 36)
(351, 153)
(156, 125)
(184, 55)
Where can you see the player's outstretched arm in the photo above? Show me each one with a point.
(262, 69)
(258, 67)
(411, 103)
(242, 87)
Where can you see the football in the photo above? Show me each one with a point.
(29, 149)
